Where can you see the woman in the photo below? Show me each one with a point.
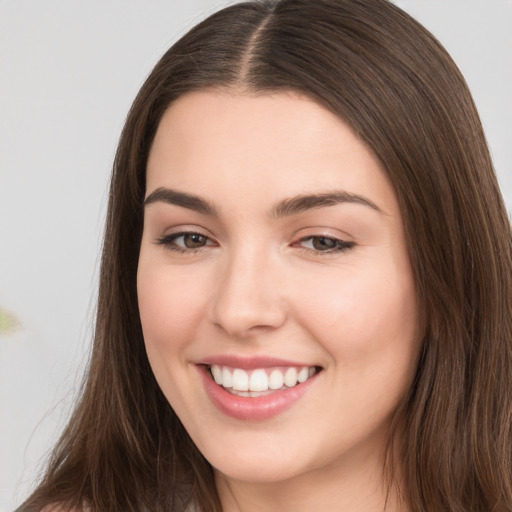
(305, 286)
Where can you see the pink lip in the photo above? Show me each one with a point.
(253, 408)
(249, 363)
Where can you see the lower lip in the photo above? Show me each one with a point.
(253, 408)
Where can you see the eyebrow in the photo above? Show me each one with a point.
(284, 208)
(302, 203)
(169, 196)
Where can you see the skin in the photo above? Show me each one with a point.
(259, 286)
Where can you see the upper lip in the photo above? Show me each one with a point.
(250, 363)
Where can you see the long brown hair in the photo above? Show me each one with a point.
(395, 85)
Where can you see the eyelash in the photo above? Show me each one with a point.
(338, 244)
(169, 242)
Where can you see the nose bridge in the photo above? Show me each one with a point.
(248, 297)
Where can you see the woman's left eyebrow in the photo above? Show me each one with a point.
(302, 203)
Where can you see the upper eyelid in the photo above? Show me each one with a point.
(314, 232)
(178, 234)
(180, 230)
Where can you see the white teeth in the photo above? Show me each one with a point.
(240, 380)
(303, 374)
(260, 380)
(276, 380)
(227, 379)
(290, 377)
(217, 373)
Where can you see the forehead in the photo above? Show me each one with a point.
(217, 143)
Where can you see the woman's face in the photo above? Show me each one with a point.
(275, 289)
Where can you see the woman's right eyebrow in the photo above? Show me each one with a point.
(190, 201)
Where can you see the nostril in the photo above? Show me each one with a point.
(248, 317)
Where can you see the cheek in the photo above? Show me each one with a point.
(361, 314)
(368, 327)
(170, 307)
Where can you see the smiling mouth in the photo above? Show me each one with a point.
(260, 381)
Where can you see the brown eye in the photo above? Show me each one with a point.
(185, 242)
(194, 240)
(323, 243)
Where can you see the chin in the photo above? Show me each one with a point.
(257, 471)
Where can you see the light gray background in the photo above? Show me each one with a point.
(68, 73)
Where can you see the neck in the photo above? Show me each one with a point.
(343, 487)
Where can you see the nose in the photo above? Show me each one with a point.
(248, 298)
